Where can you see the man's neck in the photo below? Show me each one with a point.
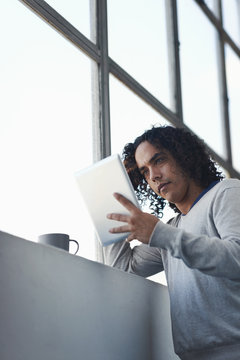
(194, 192)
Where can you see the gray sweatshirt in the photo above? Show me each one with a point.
(200, 253)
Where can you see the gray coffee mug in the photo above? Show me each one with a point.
(59, 240)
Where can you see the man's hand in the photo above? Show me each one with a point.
(139, 224)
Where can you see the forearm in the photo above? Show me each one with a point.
(118, 255)
(141, 260)
(211, 255)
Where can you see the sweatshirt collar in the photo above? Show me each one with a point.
(203, 193)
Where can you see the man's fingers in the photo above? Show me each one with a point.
(118, 217)
(138, 225)
(119, 229)
(125, 202)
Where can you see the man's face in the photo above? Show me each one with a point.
(164, 176)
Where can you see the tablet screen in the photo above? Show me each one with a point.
(97, 184)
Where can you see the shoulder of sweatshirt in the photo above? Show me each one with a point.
(225, 190)
(216, 190)
(227, 184)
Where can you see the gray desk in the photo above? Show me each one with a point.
(57, 306)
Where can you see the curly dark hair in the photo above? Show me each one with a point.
(189, 153)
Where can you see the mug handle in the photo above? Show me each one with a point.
(77, 245)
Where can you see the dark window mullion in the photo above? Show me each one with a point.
(59, 23)
(219, 26)
(223, 89)
(103, 76)
(174, 58)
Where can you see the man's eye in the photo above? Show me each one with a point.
(159, 160)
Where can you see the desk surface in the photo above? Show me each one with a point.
(57, 306)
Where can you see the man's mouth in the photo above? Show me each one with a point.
(163, 187)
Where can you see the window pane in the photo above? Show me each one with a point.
(233, 83)
(231, 18)
(137, 42)
(74, 11)
(200, 86)
(130, 116)
(45, 129)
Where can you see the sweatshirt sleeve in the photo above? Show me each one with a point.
(141, 259)
(216, 256)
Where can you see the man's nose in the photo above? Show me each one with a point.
(155, 174)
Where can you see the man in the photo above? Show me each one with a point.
(199, 249)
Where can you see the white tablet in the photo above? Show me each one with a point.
(97, 184)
